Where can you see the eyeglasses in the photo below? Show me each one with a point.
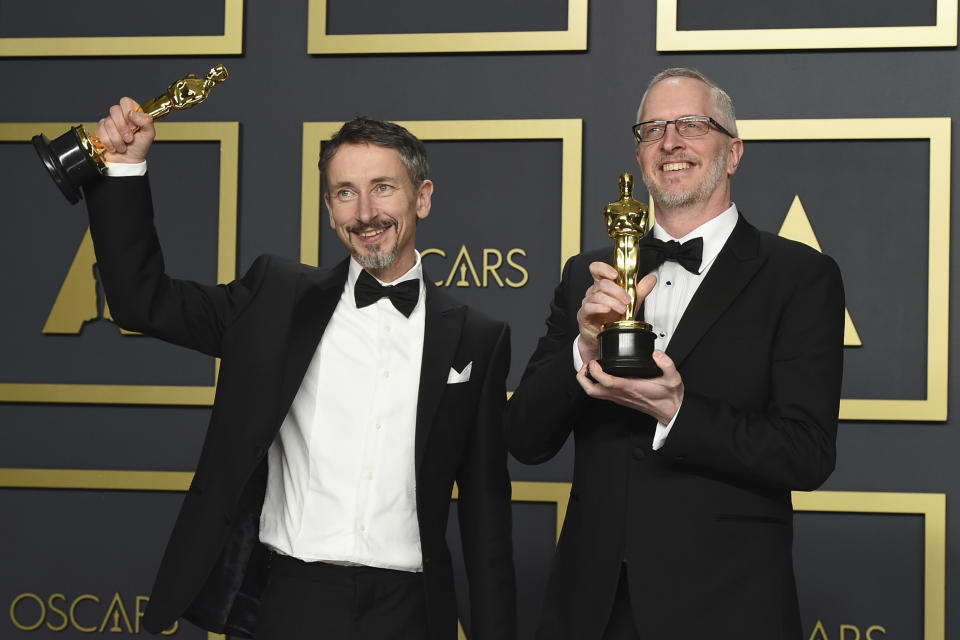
(687, 127)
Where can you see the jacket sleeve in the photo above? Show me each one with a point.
(141, 295)
(484, 508)
(548, 401)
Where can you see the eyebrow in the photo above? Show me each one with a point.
(689, 115)
(376, 180)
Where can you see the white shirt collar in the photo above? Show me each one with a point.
(714, 233)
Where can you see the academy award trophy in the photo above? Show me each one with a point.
(75, 158)
(626, 345)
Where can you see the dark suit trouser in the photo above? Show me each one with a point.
(621, 625)
(319, 601)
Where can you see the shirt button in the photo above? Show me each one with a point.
(378, 426)
(369, 476)
(639, 453)
(386, 374)
(387, 329)
(362, 528)
(669, 283)
(662, 335)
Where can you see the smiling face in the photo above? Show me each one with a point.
(686, 173)
(374, 207)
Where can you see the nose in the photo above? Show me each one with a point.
(671, 138)
(365, 210)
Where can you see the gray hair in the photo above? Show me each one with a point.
(722, 102)
(364, 130)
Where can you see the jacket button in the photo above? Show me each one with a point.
(227, 519)
(639, 453)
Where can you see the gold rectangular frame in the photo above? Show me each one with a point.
(573, 39)
(937, 131)
(114, 480)
(230, 43)
(554, 492)
(933, 508)
(99, 480)
(568, 131)
(228, 135)
(557, 493)
(669, 38)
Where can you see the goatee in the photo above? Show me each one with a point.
(377, 259)
(699, 193)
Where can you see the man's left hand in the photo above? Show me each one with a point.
(659, 397)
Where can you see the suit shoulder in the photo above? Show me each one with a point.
(579, 265)
(600, 254)
(793, 254)
(474, 318)
(274, 263)
(481, 320)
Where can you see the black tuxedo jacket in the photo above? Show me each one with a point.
(704, 524)
(265, 327)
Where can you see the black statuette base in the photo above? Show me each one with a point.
(69, 164)
(628, 353)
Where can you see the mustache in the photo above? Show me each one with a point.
(661, 160)
(373, 226)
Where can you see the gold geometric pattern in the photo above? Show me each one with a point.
(670, 38)
(932, 506)
(230, 42)
(936, 131)
(796, 226)
(77, 302)
(568, 131)
(573, 38)
(227, 135)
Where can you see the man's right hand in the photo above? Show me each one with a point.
(126, 133)
(604, 302)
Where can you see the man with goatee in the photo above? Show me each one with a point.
(348, 403)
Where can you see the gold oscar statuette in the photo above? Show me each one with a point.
(75, 158)
(626, 345)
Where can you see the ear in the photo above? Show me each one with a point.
(424, 194)
(326, 202)
(734, 154)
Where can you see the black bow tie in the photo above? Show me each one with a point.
(688, 254)
(404, 296)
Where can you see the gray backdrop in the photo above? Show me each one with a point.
(77, 559)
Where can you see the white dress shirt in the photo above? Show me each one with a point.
(665, 304)
(341, 484)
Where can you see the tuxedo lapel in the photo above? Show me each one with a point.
(317, 296)
(735, 266)
(441, 335)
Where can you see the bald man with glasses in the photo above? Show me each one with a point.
(680, 523)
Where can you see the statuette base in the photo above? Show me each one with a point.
(626, 350)
(71, 160)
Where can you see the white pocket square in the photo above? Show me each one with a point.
(456, 377)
